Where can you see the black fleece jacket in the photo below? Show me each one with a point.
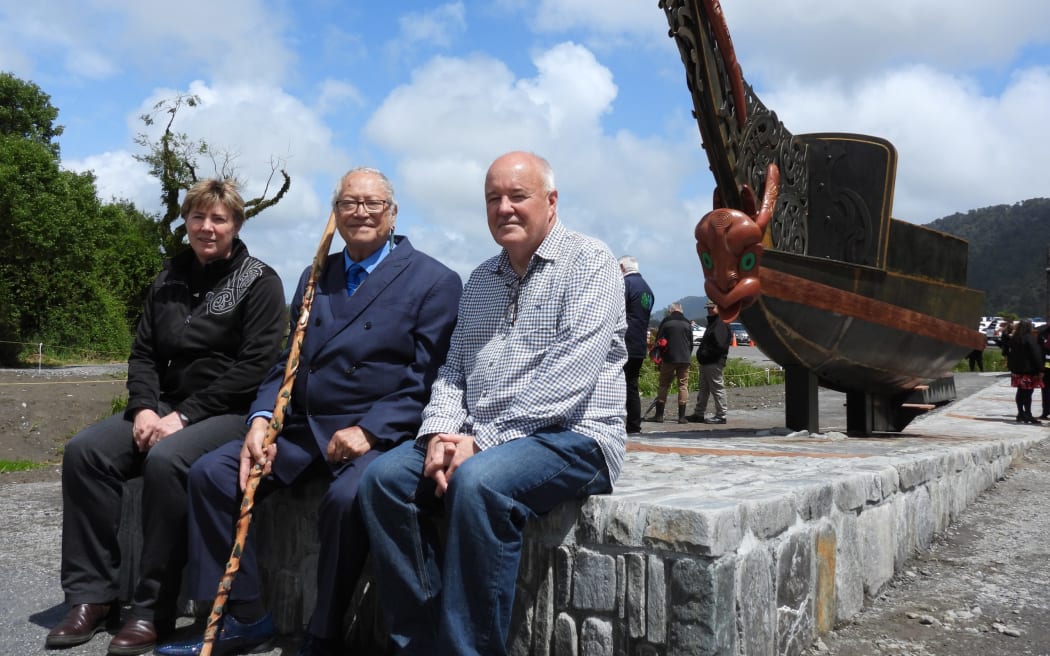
(207, 336)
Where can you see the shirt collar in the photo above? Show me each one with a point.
(549, 249)
(369, 263)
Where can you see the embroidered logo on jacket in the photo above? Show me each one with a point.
(227, 298)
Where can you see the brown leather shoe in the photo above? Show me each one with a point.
(135, 637)
(81, 623)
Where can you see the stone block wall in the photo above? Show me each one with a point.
(759, 573)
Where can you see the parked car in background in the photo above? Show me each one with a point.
(698, 333)
(740, 333)
(990, 327)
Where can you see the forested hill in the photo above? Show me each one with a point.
(1008, 254)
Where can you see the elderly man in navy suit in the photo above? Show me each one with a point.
(380, 325)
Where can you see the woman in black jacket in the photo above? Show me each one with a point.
(211, 328)
(1024, 358)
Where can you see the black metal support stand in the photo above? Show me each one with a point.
(801, 410)
(860, 413)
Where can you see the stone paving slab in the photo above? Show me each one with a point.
(721, 473)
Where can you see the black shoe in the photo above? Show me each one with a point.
(696, 418)
(634, 431)
(138, 636)
(1044, 417)
(716, 420)
(81, 623)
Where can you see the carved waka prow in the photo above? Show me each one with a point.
(832, 288)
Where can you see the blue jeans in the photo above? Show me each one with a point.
(457, 598)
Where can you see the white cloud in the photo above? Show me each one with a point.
(604, 18)
(100, 39)
(813, 39)
(957, 147)
(435, 27)
(335, 94)
(118, 176)
(458, 114)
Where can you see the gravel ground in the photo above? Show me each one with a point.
(981, 589)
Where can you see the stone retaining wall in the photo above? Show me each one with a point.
(763, 572)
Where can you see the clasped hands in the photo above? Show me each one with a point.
(445, 453)
(150, 428)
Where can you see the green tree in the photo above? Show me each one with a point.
(72, 270)
(26, 111)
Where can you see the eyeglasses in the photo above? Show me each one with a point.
(349, 206)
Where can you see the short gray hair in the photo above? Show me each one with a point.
(389, 188)
(546, 172)
(629, 264)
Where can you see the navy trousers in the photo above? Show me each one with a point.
(214, 502)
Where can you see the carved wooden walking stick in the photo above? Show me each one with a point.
(281, 404)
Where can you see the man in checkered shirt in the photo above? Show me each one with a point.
(527, 412)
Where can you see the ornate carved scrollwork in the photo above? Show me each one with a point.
(739, 151)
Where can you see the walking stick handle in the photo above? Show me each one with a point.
(273, 429)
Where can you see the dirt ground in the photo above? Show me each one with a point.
(41, 410)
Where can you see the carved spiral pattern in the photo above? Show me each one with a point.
(739, 153)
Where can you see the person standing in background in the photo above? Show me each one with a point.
(1043, 337)
(1024, 358)
(639, 299)
(678, 331)
(711, 356)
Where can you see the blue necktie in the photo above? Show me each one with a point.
(355, 275)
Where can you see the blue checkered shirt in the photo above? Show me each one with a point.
(542, 351)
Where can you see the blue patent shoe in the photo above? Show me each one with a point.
(234, 638)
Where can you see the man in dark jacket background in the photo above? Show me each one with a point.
(678, 331)
(711, 355)
(639, 301)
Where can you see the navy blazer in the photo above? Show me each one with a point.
(369, 359)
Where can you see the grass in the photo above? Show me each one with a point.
(993, 361)
(8, 466)
(118, 404)
(59, 356)
(738, 372)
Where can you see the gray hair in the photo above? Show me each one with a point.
(546, 173)
(629, 264)
(389, 188)
(674, 307)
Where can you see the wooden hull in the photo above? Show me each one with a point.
(859, 328)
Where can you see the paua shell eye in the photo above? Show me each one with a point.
(706, 261)
(747, 262)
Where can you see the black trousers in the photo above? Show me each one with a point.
(96, 464)
(214, 504)
(631, 369)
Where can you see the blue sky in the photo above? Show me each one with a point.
(432, 92)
